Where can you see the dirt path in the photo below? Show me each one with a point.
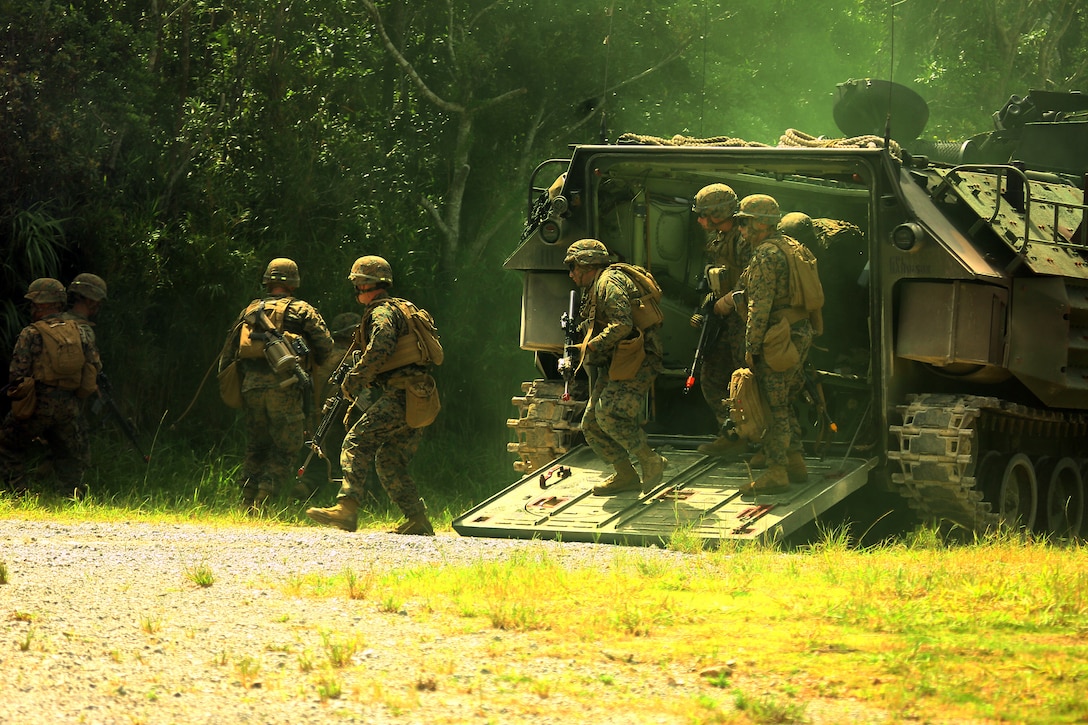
(100, 624)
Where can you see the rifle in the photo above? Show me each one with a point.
(705, 333)
(284, 355)
(814, 391)
(566, 364)
(105, 395)
(332, 410)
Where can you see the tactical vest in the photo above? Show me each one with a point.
(61, 363)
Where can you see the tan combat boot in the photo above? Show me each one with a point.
(774, 480)
(624, 479)
(653, 467)
(796, 467)
(415, 525)
(343, 515)
(723, 446)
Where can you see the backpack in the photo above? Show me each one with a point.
(748, 410)
(421, 345)
(806, 290)
(61, 362)
(647, 310)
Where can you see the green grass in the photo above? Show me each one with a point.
(179, 484)
(993, 630)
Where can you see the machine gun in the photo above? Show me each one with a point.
(105, 398)
(333, 410)
(284, 355)
(567, 366)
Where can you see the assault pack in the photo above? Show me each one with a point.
(421, 346)
(806, 290)
(748, 409)
(61, 364)
(646, 312)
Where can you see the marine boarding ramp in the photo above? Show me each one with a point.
(698, 497)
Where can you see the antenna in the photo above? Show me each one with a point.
(603, 133)
(891, 74)
(702, 90)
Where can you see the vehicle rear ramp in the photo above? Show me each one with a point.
(698, 496)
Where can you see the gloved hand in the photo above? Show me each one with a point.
(723, 306)
(699, 317)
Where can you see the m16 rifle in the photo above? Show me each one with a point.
(105, 398)
(284, 355)
(567, 365)
(704, 318)
(334, 408)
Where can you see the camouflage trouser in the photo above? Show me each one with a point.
(381, 435)
(612, 422)
(57, 421)
(724, 355)
(275, 427)
(784, 433)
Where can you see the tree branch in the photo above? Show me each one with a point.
(405, 65)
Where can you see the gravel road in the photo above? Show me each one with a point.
(100, 624)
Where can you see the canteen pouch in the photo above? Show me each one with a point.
(778, 348)
(88, 382)
(628, 358)
(421, 401)
(230, 385)
(24, 399)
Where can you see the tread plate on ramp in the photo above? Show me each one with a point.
(699, 495)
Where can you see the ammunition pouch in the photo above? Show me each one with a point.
(628, 357)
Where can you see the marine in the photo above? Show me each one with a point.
(386, 390)
(274, 401)
(54, 365)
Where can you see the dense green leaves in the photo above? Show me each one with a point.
(175, 146)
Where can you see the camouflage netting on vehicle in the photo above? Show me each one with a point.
(791, 138)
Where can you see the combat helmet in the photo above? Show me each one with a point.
(282, 270)
(372, 269)
(798, 225)
(588, 252)
(88, 285)
(716, 200)
(46, 291)
(760, 207)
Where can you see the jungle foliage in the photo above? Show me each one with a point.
(174, 146)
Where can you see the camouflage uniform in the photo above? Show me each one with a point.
(612, 419)
(275, 422)
(842, 253)
(381, 435)
(56, 419)
(726, 353)
(766, 282)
